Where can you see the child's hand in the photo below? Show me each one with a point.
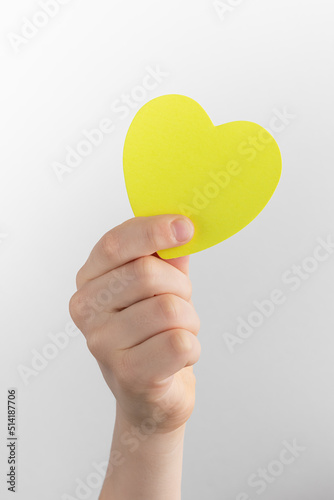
(136, 313)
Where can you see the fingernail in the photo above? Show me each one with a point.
(182, 229)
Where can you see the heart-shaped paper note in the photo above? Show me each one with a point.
(177, 162)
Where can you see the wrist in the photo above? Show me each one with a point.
(144, 463)
(148, 431)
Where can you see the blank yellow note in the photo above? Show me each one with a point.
(177, 162)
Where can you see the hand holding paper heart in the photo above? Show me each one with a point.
(177, 162)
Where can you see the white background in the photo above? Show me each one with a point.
(260, 57)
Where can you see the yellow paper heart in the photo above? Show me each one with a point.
(177, 162)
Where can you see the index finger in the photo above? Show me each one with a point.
(134, 238)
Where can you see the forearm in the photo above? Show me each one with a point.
(143, 465)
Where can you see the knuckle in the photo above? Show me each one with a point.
(176, 338)
(145, 270)
(179, 339)
(94, 343)
(197, 349)
(150, 234)
(197, 322)
(79, 278)
(143, 267)
(184, 287)
(188, 287)
(111, 244)
(157, 233)
(78, 305)
(168, 305)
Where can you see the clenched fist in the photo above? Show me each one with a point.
(136, 313)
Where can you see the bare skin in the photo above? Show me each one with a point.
(136, 313)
